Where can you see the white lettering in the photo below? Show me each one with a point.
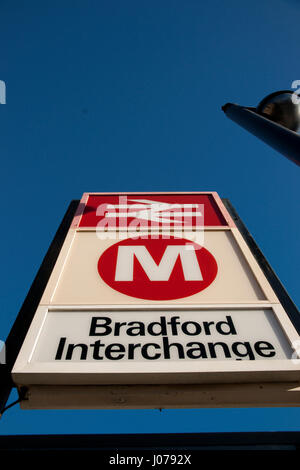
(295, 95)
(161, 271)
(2, 92)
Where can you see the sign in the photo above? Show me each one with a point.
(161, 336)
(87, 268)
(159, 211)
(156, 289)
(159, 269)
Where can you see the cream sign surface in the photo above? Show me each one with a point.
(155, 289)
(147, 271)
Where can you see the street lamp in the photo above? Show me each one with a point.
(276, 121)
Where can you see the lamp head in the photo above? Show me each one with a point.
(282, 107)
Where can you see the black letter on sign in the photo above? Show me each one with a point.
(167, 346)
(212, 349)
(95, 325)
(261, 346)
(115, 348)
(197, 352)
(71, 347)
(229, 327)
(246, 350)
(145, 353)
(60, 348)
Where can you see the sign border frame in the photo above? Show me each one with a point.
(21, 325)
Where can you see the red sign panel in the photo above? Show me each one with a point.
(151, 210)
(157, 269)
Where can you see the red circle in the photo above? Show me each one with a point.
(141, 286)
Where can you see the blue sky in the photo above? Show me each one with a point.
(127, 96)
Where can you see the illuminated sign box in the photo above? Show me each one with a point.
(157, 290)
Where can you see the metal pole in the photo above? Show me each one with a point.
(20, 327)
(283, 140)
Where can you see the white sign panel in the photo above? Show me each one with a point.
(156, 336)
(115, 346)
